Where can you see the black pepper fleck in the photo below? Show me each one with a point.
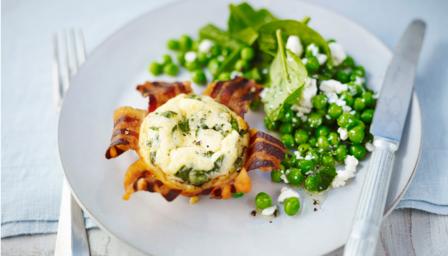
(253, 213)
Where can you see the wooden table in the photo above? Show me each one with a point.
(405, 232)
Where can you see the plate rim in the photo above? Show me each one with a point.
(93, 51)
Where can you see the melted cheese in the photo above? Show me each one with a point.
(191, 133)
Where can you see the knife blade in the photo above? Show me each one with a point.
(395, 96)
(387, 127)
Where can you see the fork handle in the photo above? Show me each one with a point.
(369, 213)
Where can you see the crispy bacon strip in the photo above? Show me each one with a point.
(160, 92)
(138, 178)
(127, 122)
(236, 94)
(265, 152)
(241, 183)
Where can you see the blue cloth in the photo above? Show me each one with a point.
(31, 174)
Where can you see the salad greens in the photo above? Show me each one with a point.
(315, 96)
(307, 35)
(287, 76)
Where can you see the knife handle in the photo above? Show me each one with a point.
(369, 213)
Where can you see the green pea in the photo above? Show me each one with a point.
(346, 120)
(312, 183)
(342, 76)
(286, 128)
(202, 58)
(241, 65)
(305, 165)
(312, 64)
(333, 138)
(303, 148)
(293, 161)
(358, 151)
(155, 68)
(319, 101)
(353, 77)
(287, 140)
(173, 44)
(312, 141)
(296, 121)
(359, 104)
(254, 74)
(334, 111)
(199, 77)
(327, 160)
(356, 134)
(367, 115)
(263, 200)
(359, 70)
(348, 62)
(314, 120)
(294, 177)
(348, 98)
(180, 56)
(287, 115)
(322, 131)
(185, 43)
(270, 125)
(341, 153)
(247, 53)
(300, 137)
(213, 66)
(322, 142)
(291, 206)
(276, 176)
(171, 69)
(368, 98)
(224, 76)
(193, 65)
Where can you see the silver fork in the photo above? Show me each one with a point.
(69, 54)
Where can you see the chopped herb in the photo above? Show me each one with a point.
(242, 132)
(154, 128)
(183, 173)
(208, 153)
(184, 126)
(169, 114)
(194, 97)
(237, 194)
(217, 164)
(152, 156)
(174, 128)
(197, 177)
(234, 124)
(238, 162)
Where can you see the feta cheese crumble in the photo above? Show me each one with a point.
(347, 173)
(337, 53)
(205, 46)
(190, 56)
(313, 49)
(305, 105)
(321, 58)
(370, 147)
(269, 211)
(286, 193)
(293, 44)
(331, 85)
(343, 134)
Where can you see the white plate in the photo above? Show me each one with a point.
(108, 79)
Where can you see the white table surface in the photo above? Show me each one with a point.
(404, 232)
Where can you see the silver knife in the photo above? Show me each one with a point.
(387, 127)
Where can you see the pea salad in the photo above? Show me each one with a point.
(315, 96)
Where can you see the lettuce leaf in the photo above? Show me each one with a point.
(287, 78)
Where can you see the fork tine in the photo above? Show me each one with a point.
(57, 78)
(74, 51)
(82, 47)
